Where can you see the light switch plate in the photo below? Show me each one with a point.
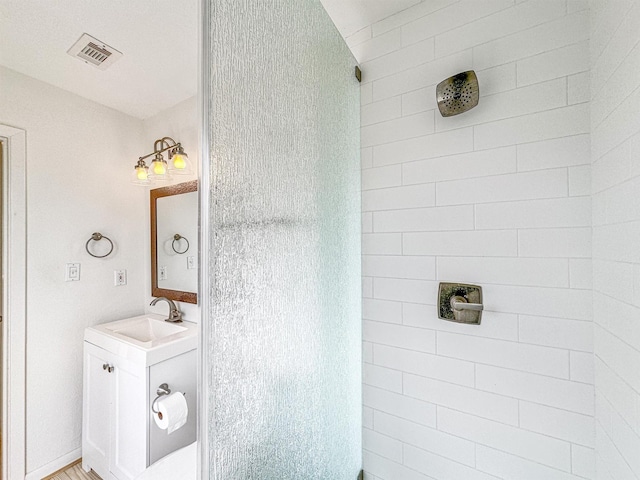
(119, 277)
(191, 263)
(72, 272)
(162, 273)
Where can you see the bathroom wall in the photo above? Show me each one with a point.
(498, 196)
(78, 159)
(179, 122)
(615, 123)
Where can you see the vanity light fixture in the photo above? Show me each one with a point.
(160, 170)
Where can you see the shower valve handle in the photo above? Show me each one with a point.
(460, 303)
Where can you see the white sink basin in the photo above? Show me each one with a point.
(145, 338)
(146, 329)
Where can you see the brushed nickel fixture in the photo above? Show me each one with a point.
(176, 241)
(162, 390)
(160, 170)
(459, 302)
(458, 94)
(175, 315)
(96, 237)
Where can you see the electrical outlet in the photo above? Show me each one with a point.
(119, 277)
(163, 273)
(191, 263)
(72, 272)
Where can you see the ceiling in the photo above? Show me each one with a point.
(159, 40)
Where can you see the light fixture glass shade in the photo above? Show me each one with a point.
(140, 174)
(179, 163)
(159, 170)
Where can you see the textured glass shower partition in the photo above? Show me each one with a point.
(282, 359)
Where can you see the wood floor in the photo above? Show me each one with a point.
(74, 472)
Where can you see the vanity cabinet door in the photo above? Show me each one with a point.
(114, 432)
(129, 419)
(96, 411)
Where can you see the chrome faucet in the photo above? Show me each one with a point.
(175, 315)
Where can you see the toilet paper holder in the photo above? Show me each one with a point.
(163, 389)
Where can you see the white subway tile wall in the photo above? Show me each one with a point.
(615, 126)
(500, 197)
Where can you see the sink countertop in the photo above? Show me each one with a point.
(107, 337)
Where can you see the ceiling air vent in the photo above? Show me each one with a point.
(94, 52)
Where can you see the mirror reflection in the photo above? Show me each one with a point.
(174, 242)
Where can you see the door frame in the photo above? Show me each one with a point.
(204, 187)
(14, 233)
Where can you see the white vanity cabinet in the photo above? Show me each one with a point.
(114, 441)
(124, 362)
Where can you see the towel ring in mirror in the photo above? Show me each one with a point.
(96, 237)
(176, 238)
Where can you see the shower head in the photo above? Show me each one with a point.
(458, 94)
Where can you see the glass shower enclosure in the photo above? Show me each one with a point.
(281, 356)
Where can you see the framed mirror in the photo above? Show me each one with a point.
(174, 242)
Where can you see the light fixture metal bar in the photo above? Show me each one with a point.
(155, 152)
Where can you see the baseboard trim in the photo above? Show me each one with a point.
(56, 466)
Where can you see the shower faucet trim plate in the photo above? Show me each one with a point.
(461, 303)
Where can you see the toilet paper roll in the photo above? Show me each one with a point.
(172, 412)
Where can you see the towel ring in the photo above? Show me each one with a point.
(176, 238)
(96, 237)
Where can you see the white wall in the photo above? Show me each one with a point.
(498, 196)
(77, 183)
(179, 122)
(615, 123)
